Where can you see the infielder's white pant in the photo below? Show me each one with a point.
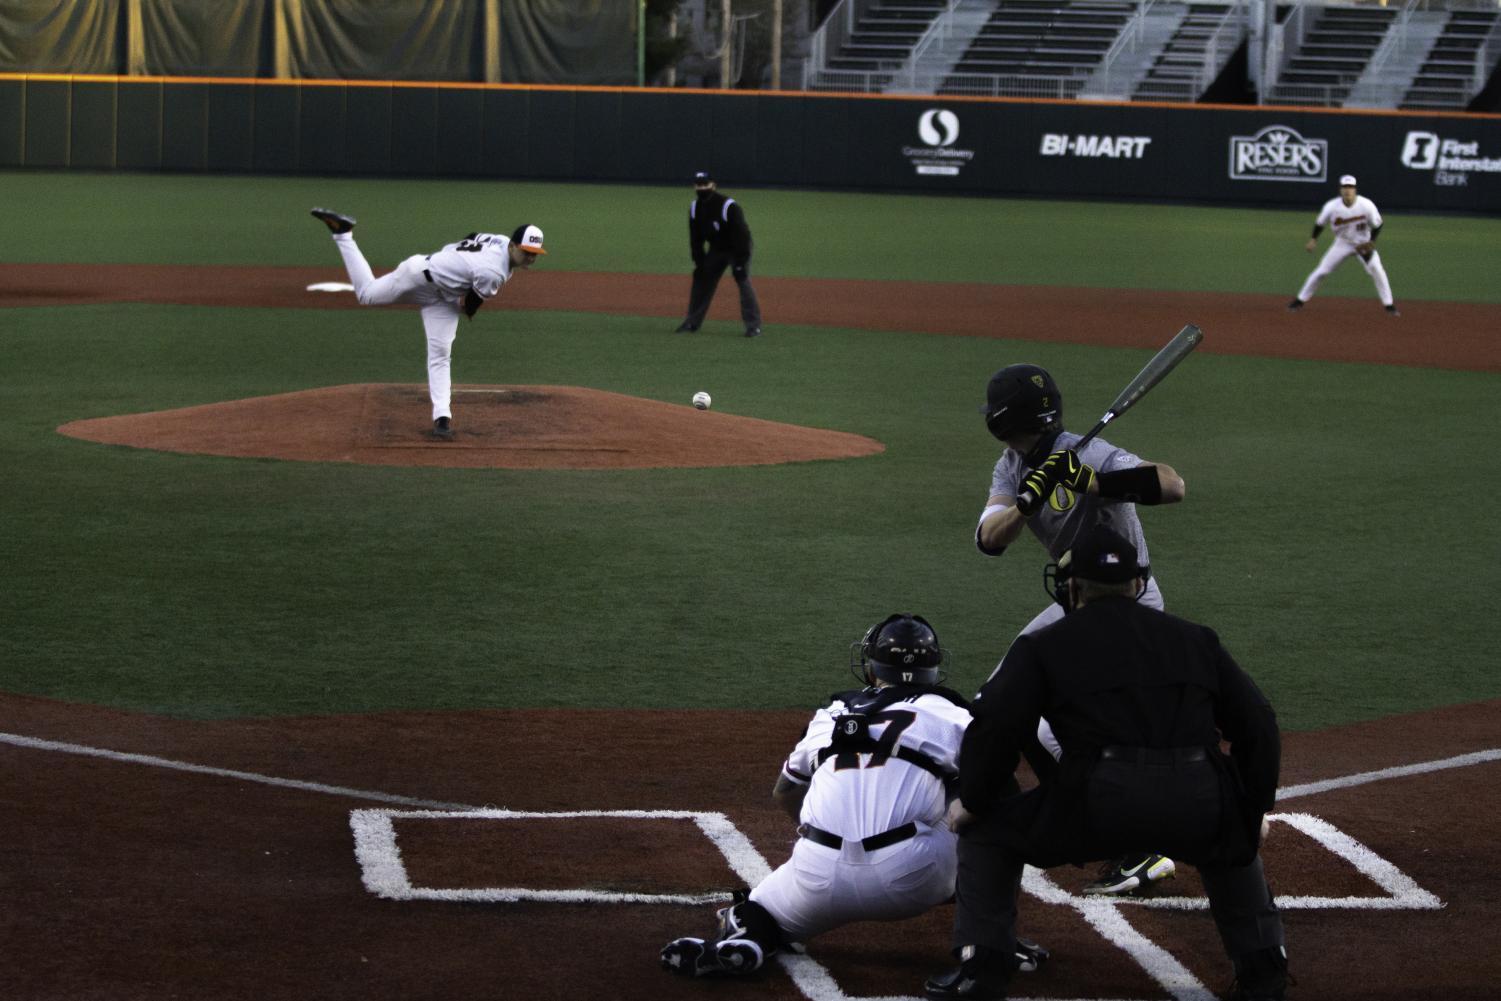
(440, 312)
(821, 888)
(1333, 257)
(1151, 596)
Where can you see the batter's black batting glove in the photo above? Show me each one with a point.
(1036, 486)
(1065, 467)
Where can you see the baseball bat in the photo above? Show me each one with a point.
(1153, 372)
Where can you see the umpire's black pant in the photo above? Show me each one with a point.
(1131, 807)
(706, 279)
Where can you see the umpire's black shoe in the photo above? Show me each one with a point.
(336, 222)
(1260, 976)
(982, 976)
(752, 331)
(685, 328)
(443, 428)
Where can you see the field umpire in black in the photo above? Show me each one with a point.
(718, 238)
(1140, 700)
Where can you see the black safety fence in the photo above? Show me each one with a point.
(1218, 154)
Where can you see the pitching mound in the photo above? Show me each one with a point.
(499, 427)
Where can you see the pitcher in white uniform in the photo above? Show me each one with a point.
(869, 784)
(457, 279)
(1356, 223)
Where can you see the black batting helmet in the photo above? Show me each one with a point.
(900, 649)
(1022, 398)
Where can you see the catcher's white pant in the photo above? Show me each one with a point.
(1151, 596)
(821, 888)
(407, 284)
(1333, 257)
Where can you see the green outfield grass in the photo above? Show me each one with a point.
(160, 218)
(1313, 538)
(1316, 536)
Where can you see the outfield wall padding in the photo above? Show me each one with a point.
(1215, 154)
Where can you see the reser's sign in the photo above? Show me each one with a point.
(1279, 153)
(938, 129)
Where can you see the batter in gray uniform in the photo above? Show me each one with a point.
(1100, 486)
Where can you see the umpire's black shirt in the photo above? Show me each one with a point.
(717, 220)
(1115, 672)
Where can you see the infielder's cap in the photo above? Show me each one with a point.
(703, 177)
(1347, 181)
(1101, 554)
(529, 239)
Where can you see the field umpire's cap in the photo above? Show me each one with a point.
(1101, 554)
(702, 177)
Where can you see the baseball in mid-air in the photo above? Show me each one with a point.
(701, 400)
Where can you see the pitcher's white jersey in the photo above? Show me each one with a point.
(1351, 223)
(479, 261)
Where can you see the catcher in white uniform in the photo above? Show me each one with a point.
(1356, 222)
(458, 279)
(869, 784)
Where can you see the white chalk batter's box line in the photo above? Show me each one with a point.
(385, 875)
(1104, 915)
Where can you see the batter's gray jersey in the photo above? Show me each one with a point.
(1059, 521)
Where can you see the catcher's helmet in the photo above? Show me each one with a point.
(1022, 398)
(901, 649)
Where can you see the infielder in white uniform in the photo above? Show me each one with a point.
(869, 784)
(458, 279)
(1356, 222)
(1100, 486)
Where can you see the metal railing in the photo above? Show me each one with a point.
(1105, 78)
(1378, 85)
(1487, 56)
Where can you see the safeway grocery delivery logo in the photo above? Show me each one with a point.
(1278, 153)
(938, 129)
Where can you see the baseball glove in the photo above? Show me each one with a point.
(1365, 250)
(472, 303)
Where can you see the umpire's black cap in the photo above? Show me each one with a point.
(702, 177)
(1101, 554)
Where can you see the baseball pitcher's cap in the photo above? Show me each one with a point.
(1101, 554)
(702, 177)
(529, 239)
(1348, 180)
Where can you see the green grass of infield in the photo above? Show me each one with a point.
(165, 218)
(1316, 537)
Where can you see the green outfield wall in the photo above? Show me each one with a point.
(1062, 149)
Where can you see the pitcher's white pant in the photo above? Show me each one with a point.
(1333, 257)
(1151, 596)
(819, 888)
(407, 284)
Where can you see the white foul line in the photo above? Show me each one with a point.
(1400, 771)
(227, 773)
